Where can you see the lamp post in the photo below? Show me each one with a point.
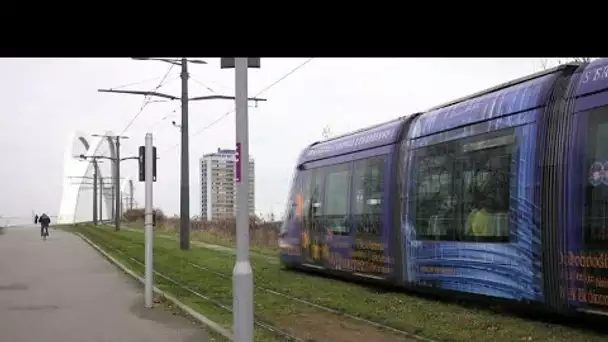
(184, 224)
(117, 195)
(242, 274)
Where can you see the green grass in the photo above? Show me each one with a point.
(168, 306)
(223, 240)
(210, 243)
(437, 320)
(209, 310)
(269, 308)
(138, 269)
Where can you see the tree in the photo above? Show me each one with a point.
(545, 63)
(326, 132)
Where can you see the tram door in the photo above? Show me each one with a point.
(312, 232)
(326, 231)
(587, 253)
(294, 217)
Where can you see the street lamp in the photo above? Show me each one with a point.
(117, 194)
(184, 224)
(242, 274)
(117, 161)
(96, 176)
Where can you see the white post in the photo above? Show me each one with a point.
(242, 282)
(149, 285)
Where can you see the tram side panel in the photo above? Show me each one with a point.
(468, 223)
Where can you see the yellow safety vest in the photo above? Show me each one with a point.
(479, 221)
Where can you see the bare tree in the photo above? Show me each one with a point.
(545, 63)
(326, 132)
(583, 59)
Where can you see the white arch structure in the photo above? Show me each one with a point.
(74, 183)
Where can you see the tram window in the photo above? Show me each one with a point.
(316, 198)
(434, 203)
(485, 195)
(461, 190)
(367, 196)
(595, 222)
(302, 198)
(337, 195)
(316, 191)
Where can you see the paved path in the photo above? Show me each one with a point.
(62, 290)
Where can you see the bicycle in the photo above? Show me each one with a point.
(44, 232)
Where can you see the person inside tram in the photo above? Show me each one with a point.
(479, 219)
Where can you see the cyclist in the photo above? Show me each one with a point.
(44, 225)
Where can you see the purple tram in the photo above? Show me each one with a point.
(502, 194)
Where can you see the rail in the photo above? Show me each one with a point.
(266, 325)
(257, 321)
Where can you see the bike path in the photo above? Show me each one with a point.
(62, 290)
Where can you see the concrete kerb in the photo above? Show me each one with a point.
(200, 318)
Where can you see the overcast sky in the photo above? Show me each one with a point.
(44, 100)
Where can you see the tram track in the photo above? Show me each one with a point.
(322, 307)
(257, 321)
(268, 290)
(291, 304)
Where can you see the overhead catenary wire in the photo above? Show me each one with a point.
(219, 84)
(173, 111)
(145, 102)
(265, 89)
(202, 84)
(134, 83)
(284, 76)
(170, 114)
(164, 117)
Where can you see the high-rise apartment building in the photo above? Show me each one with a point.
(218, 186)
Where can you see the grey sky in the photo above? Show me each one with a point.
(46, 99)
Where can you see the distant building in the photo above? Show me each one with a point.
(218, 186)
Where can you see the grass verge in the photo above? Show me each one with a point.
(216, 238)
(437, 320)
(303, 321)
(122, 254)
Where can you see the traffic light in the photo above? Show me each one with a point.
(142, 163)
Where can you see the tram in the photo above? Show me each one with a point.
(503, 194)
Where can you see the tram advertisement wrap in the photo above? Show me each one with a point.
(587, 279)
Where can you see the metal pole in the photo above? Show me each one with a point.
(117, 185)
(94, 191)
(242, 273)
(112, 206)
(184, 214)
(101, 198)
(130, 194)
(148, 223)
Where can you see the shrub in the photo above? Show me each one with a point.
(138, 214)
